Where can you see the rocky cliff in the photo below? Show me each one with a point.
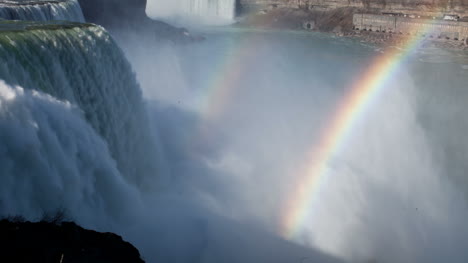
(423, 7)
(113, 12)
(129, 16)
(61, 242)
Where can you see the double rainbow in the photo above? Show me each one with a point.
(360, 95)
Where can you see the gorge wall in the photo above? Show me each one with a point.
(110, 12)
(404, 25)
(128, 16)
(423, 7)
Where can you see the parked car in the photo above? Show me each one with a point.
(451, 17)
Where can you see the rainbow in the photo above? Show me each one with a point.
(361, 95)
(221, 88)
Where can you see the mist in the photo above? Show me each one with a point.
(236, 117)
(195, 152)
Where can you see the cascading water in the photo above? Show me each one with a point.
(51, 159)
(205, 10)
(42, 10)
(80, 63)
(216, 8)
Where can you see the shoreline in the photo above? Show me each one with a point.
(394, 39)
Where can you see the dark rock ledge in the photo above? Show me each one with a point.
(127, 18)
(63, 242)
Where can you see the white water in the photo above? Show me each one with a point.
(83, 65)
(74, 138)
(51, 159)
(41, 10)
(197, 11)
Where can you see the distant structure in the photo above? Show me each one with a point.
(447, 28)
(392, 14)
(451, 17)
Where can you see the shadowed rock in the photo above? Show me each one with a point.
(62, 242)
(129, 16)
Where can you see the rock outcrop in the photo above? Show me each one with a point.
(114, 12)
(61, 242)
(129, 16)
(423, 7)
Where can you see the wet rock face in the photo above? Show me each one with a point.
(113, 11)
(65, 242)
(128, 19)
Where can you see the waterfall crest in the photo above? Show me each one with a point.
(41, 10)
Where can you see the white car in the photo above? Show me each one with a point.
(451, 17)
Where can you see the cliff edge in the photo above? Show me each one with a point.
(61, 242)
(114, 12)
(129, 16)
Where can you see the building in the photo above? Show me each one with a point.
(448, 29)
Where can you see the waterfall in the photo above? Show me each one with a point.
(213, 8)
(206, 10)
(81, 64)
(41, 10)
(51, 159)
